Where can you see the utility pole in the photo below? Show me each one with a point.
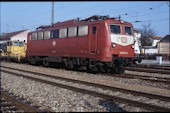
(52, 15)
(0, 21)
(167, 3)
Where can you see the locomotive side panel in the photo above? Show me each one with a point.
(102, 47)
(64, 47)
(97, 44)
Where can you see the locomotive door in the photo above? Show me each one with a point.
(93, 38)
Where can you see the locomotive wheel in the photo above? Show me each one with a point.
(69, 65)
(119, 70)
(92, 70)
(46, 63)
(75, 68)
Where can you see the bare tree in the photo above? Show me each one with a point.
(146, 34)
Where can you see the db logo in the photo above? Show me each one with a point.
(124, 40)
(53, 43)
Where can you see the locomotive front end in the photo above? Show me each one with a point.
(121, 37)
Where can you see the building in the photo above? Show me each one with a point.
(155, 40)
(150, 50)
(14, 36)
(153, 49)
(164, 46)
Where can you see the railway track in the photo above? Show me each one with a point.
(152, 67)
(128, 76)
(99, 94)
(143, 77)
(148, 70)
(11, 103)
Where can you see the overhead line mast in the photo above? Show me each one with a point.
(52, 15)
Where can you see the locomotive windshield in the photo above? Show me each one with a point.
(128, 30)
(14, 43)
(115, 29)
(21, 44)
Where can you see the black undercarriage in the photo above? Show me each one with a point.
(117, 66)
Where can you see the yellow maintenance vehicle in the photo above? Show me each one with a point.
(15, 51)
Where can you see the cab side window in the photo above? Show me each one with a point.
(46, 34)
(40, 35)
(34, 36)
(63, 33)
(72, 31)
(55, 34)
(94, 29)
(83, 30)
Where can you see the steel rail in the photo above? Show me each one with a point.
(128, 76)
(24, 106)
(156, 79)
(148, 70)
(150, 67)
(93, 93)
(143, 77)
(139, 93)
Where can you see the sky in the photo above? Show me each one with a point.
(17, 16)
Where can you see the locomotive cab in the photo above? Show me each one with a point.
(16, 50)
(122, 41)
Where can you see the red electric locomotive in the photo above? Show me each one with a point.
(97, 43)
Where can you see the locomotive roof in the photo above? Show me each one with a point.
(76, 22)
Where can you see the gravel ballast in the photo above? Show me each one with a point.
(69, 73)
(57, 99)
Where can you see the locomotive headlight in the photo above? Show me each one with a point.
(113, 45)
(133, 46)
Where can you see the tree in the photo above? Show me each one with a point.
(146, 34)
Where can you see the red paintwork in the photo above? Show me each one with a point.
(80, 46)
